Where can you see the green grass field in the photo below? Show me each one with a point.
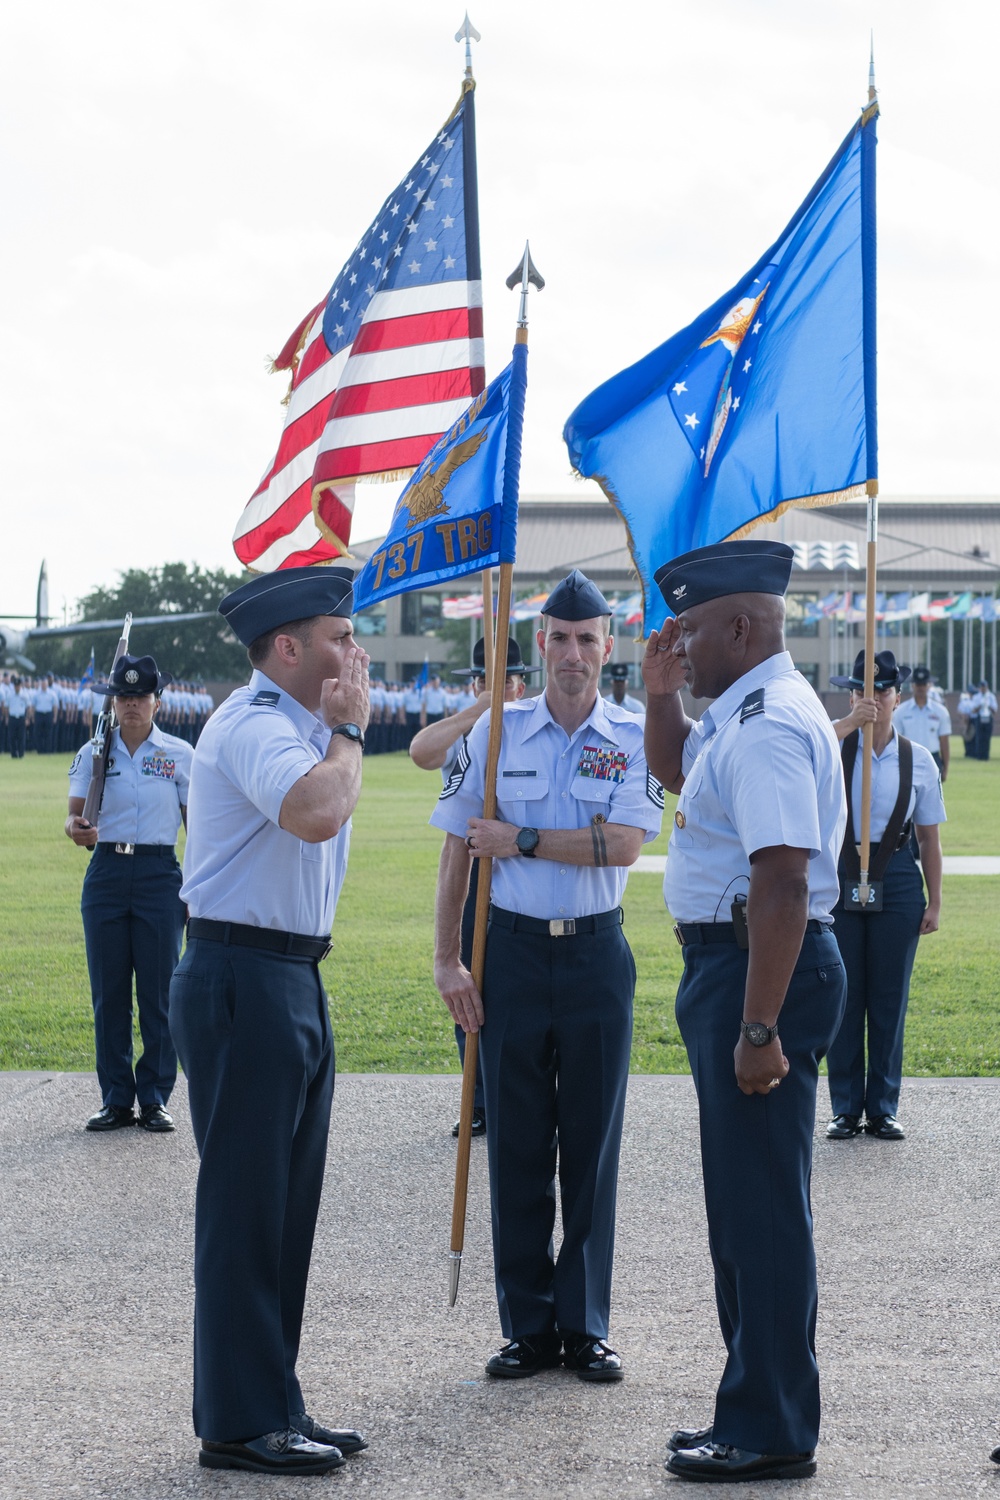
(387, 1015)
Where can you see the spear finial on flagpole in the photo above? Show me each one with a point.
(872, 95)
(469, 34)
(525, 273)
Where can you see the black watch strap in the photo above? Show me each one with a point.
(350, 732)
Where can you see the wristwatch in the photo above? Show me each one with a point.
(757, 1034)
(350, 732)
(527, 841)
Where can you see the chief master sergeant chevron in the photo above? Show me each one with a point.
(751, 881)
(575, 804)
(275, 778)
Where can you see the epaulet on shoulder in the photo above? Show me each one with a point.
(266, 698)
(752, 705)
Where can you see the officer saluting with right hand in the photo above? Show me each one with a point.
(751, 881)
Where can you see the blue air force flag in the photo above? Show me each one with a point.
(458, 514)
(766, 400)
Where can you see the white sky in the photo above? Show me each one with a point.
(180, 183)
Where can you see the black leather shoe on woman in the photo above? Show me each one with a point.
(111, 1117)
(526, 1356)
(842, 1127)
(591, 1359)
(885, 1128)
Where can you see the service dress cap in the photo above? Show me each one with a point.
(887, 673)
(576, 598)
(274, 599)
(921, 674)
(135, 676)
(478, 668)
(751, 567)
(619, 671)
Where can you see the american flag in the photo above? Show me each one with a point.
(384, 365)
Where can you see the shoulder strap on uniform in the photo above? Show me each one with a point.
(849, 858)
(894, 827)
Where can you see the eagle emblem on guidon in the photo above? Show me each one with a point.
(132, 676)
(425, 499)
(730, 333)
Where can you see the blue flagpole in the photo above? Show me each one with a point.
(869, 118)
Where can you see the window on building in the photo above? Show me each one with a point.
(370, 621)
(810, 671)
(795, 615)
(420, 613)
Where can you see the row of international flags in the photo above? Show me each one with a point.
(766, 400)
(893, 608)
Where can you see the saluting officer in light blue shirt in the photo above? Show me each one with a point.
(133, 918)
(275, 779)
(751, 881)
(575, 804)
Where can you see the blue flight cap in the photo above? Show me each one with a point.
(887, 673)
(135, 676)
(274, 599)
(576, 598)
(750, 567)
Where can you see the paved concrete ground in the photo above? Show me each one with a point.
(95, 1302)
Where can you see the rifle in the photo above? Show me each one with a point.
(102, 739)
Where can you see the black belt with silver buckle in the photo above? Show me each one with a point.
(295, 944)
(515, 921)
(724, 932)
(107, 847)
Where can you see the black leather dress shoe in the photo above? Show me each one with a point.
(591, 1358)
(526, 1356)
(111, 1117)
(843, 1127)
(885, 1128)
(478, 1123)
(285, 1452)
(720, 1463)
(688, 1437)
(995, 1455)
(155, 1118)
(346, 1439)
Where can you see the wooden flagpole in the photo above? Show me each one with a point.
(524, 275)
(871, 565)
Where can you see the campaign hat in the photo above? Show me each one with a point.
(888, 673)
(273, 599)
(576, 598)
(514, 663)
(135, 676)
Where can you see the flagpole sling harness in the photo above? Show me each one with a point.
(895, 837)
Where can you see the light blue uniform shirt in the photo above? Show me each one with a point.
(547, 779)
(143, 793)
(239, 866)
(17, 705)
(761, 768)
(632, 704)
(926, 804)
(924, 726)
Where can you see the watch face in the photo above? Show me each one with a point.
(756, 1033)
(526, 840)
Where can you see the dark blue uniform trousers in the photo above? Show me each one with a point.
(253, 1032)
(756, 1155)
(133, 922)
(555, 1050)
(878, 952)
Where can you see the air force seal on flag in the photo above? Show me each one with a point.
(712, 385)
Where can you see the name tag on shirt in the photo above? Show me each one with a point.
(519, 773)
(602, 763)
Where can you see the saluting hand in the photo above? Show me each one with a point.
(662, 671)
(344, 699)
